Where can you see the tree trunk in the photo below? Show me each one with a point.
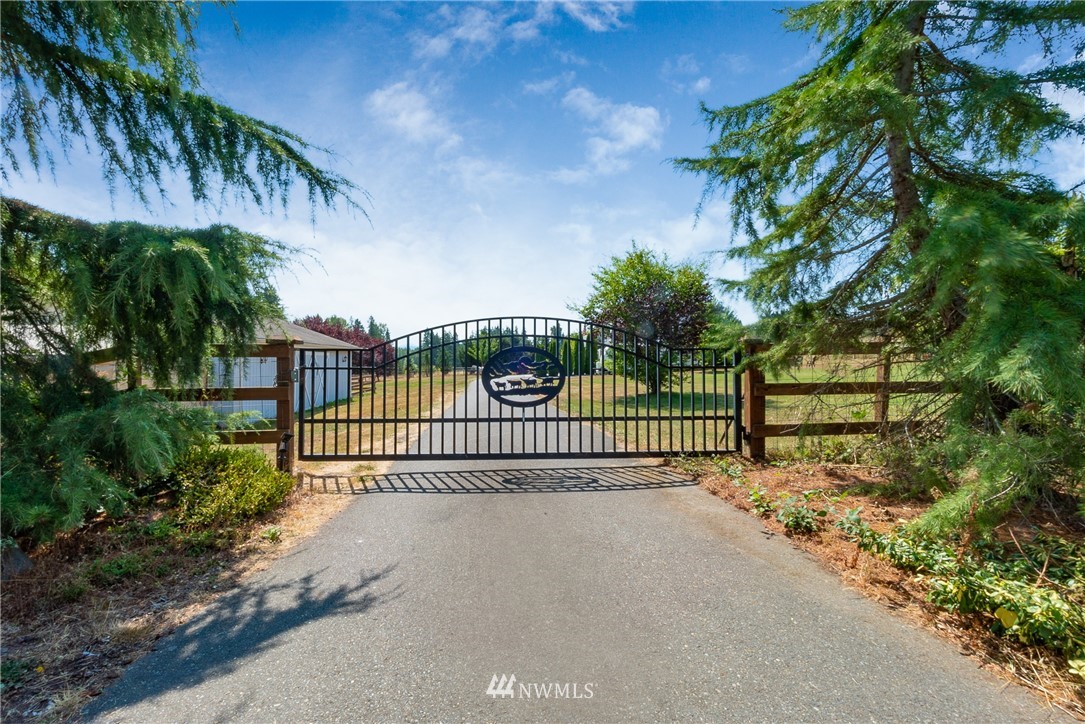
(906, 201)
(908, 209)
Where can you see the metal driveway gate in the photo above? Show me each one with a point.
(528, 387)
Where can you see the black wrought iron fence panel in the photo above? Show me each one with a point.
(516, 387)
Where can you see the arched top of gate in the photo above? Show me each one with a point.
(533, 329)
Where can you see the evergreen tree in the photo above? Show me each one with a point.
(121, 76)
(892, 191)
(158, 299)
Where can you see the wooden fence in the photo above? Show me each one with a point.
(282, 393)
(755, 391)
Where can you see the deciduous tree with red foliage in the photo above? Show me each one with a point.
(375, 351)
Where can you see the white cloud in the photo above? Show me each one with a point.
(408, 111)
(479, 29)
(582, 235)
(473, 27)
(1067, 166)
(435, 46)
(1031, 63)
(598, 17)
(735, 64)
(618, 129)
(682, 65)
(549, 85)
(813, 52)
(530, 29)
(682, 73)
(476, 26)
(701, 85)
(480, 175)
(570, 58)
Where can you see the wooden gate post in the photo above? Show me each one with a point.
(881, 396)
(284, 409)
(753, 403)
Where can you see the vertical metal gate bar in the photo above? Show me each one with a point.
(455, 396)
(715, 401)
(555, 334)
(418, 416)
(737, 397)
(636, 395)
(350, 394)
(395, 397)
(659, 401)
(704, 407)
(335, 404)
(478, 398)
(373, 395)
(301, 402)
(682, 400)
(625, 390)
(602, 398)
(580, 387)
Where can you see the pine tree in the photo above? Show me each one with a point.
(892, 191)
(121, 76)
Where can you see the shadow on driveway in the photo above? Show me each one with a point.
(241, 624)
(550, 480)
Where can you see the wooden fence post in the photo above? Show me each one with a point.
(753, 402)
(284, 409)
(881, 397)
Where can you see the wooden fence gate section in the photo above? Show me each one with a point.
(517, 387)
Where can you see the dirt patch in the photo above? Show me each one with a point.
(97, 600)
(841, 487)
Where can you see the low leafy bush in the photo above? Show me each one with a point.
(1034, 592)
(221, 486)
(111, 571)
(12, 672)
(759, 496)
(796, 517)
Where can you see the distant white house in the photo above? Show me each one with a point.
(327, 383)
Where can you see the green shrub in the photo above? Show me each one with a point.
(999, 471)
(796, 517)
(759, 496)
(1034, 592)
(12, 673)
(73, 447)
(220, 486)
(112, 571)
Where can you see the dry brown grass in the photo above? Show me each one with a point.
(1031, 666)
(73, 632)
(400, 397)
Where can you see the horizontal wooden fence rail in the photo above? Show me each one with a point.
(755, 391)
(282, 393)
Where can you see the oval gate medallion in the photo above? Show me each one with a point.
(523, 376)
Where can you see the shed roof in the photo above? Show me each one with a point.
(280, 329)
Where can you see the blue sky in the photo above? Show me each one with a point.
(509, 149)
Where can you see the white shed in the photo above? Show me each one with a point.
(331, 384)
